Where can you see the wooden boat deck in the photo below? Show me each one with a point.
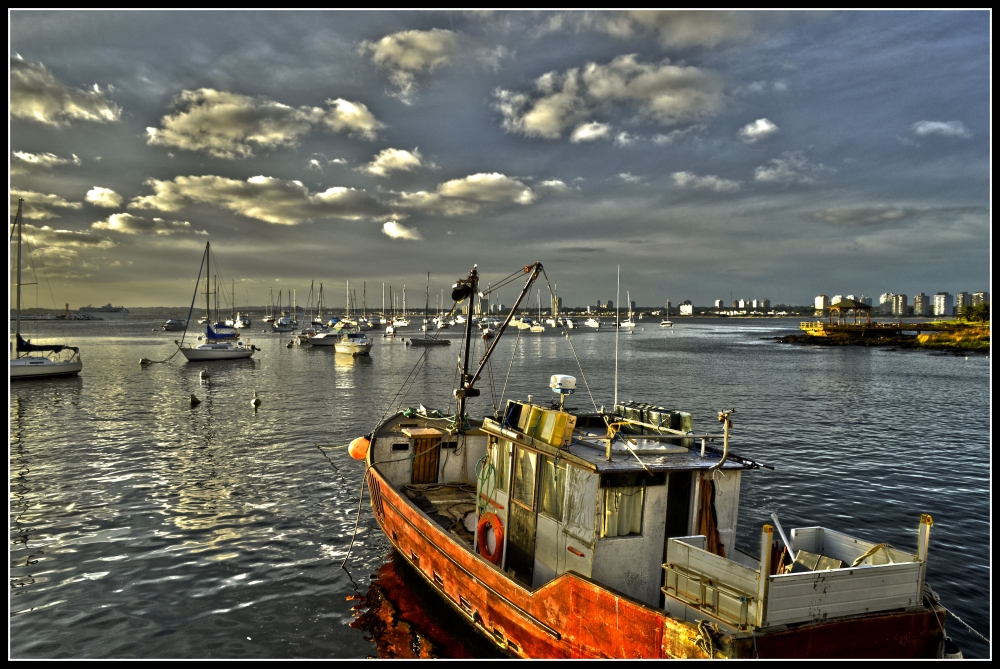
(447, 504)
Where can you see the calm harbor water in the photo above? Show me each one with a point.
(142, 526)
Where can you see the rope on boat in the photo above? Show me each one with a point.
(871, 551)
(929, 592)
(707, 633)
(146, 361)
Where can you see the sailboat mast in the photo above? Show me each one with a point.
(364, 300)
(347, 309)
(427, 304)
(20, 224)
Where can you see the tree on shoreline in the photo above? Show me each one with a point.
(978, 312)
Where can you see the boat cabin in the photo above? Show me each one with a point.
(560, 503)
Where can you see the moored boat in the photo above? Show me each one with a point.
(593, 534)
(219, 341)
(173, 325)
(55, 359)
(353, 342)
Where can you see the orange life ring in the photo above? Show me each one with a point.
(490, 520)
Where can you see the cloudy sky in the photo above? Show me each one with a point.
(709, 154)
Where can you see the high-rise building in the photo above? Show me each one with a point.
(836, 298)
(963, 299)
(822, 302)
(686, 308)
(718, 304)
(885, 303)
(980, 298)
(765, 303)
(850, 297)
(864, 299)
(899, 305)
(741, 304)
(944, 304)
(921, 306)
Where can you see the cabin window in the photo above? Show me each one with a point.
(524, 477)
(449, 444)
(622, 511)
(501, 464)
(402, 446)
(553, 488)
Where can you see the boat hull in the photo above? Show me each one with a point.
(233, 353)
(40, 368)
(352, 348)
(574, 617)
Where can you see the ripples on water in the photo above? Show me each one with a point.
(144, 527)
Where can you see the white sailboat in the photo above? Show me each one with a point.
(538, 327)
(55, 359)
(215, 345)
(629, 322)
(425, 340)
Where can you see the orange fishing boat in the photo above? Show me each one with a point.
(561, 533)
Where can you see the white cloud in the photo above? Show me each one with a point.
(491, 58)
(395, 160)
(791, 167)
(353, 118)
(132, 225)
(394, 230)
(232, 125)
(668, 94)
(942, 128)
(558, 187)
(39, 205)
(47, 237)
(686, 28)
(880, 214)
(625, 139)
(629, 178)
(661, 139)
(589, 132)
(104, 197)
(22, 162)
(263, 198)
(707, 182)
(408, 53)
(468, 195)
(37, 95)
(758, 130)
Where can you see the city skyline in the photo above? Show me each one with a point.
(710, 155)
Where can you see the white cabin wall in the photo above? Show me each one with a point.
(396, 466)
(727, 507)
(634, 564)
(458, 465)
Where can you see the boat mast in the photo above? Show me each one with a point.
(468, 381)
(347, 309)
(618, 327)
(319, 303)
(427, 303)
(364, 300)
(20, 224)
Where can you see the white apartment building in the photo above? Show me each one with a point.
(899, 304)
(963, 299)
(718, 304)
(980, 298)
(944, 304)
(686, 308)
(822, 302)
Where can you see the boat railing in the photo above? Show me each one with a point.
(834, 575)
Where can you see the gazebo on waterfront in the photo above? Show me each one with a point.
(845, 307)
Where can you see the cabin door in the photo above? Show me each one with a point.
(522, 518)
(426, 451)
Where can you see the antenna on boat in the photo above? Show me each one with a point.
(618, 327)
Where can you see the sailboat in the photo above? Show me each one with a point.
(217, 344)
(629, 322)
(425, 340)
(269, 316)
(282, 322)
(56, 359)
(538, 327)
(576, 533)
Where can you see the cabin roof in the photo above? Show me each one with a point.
(690, 459)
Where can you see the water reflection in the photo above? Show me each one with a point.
(404, 618)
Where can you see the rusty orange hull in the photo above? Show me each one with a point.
(574, 617)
